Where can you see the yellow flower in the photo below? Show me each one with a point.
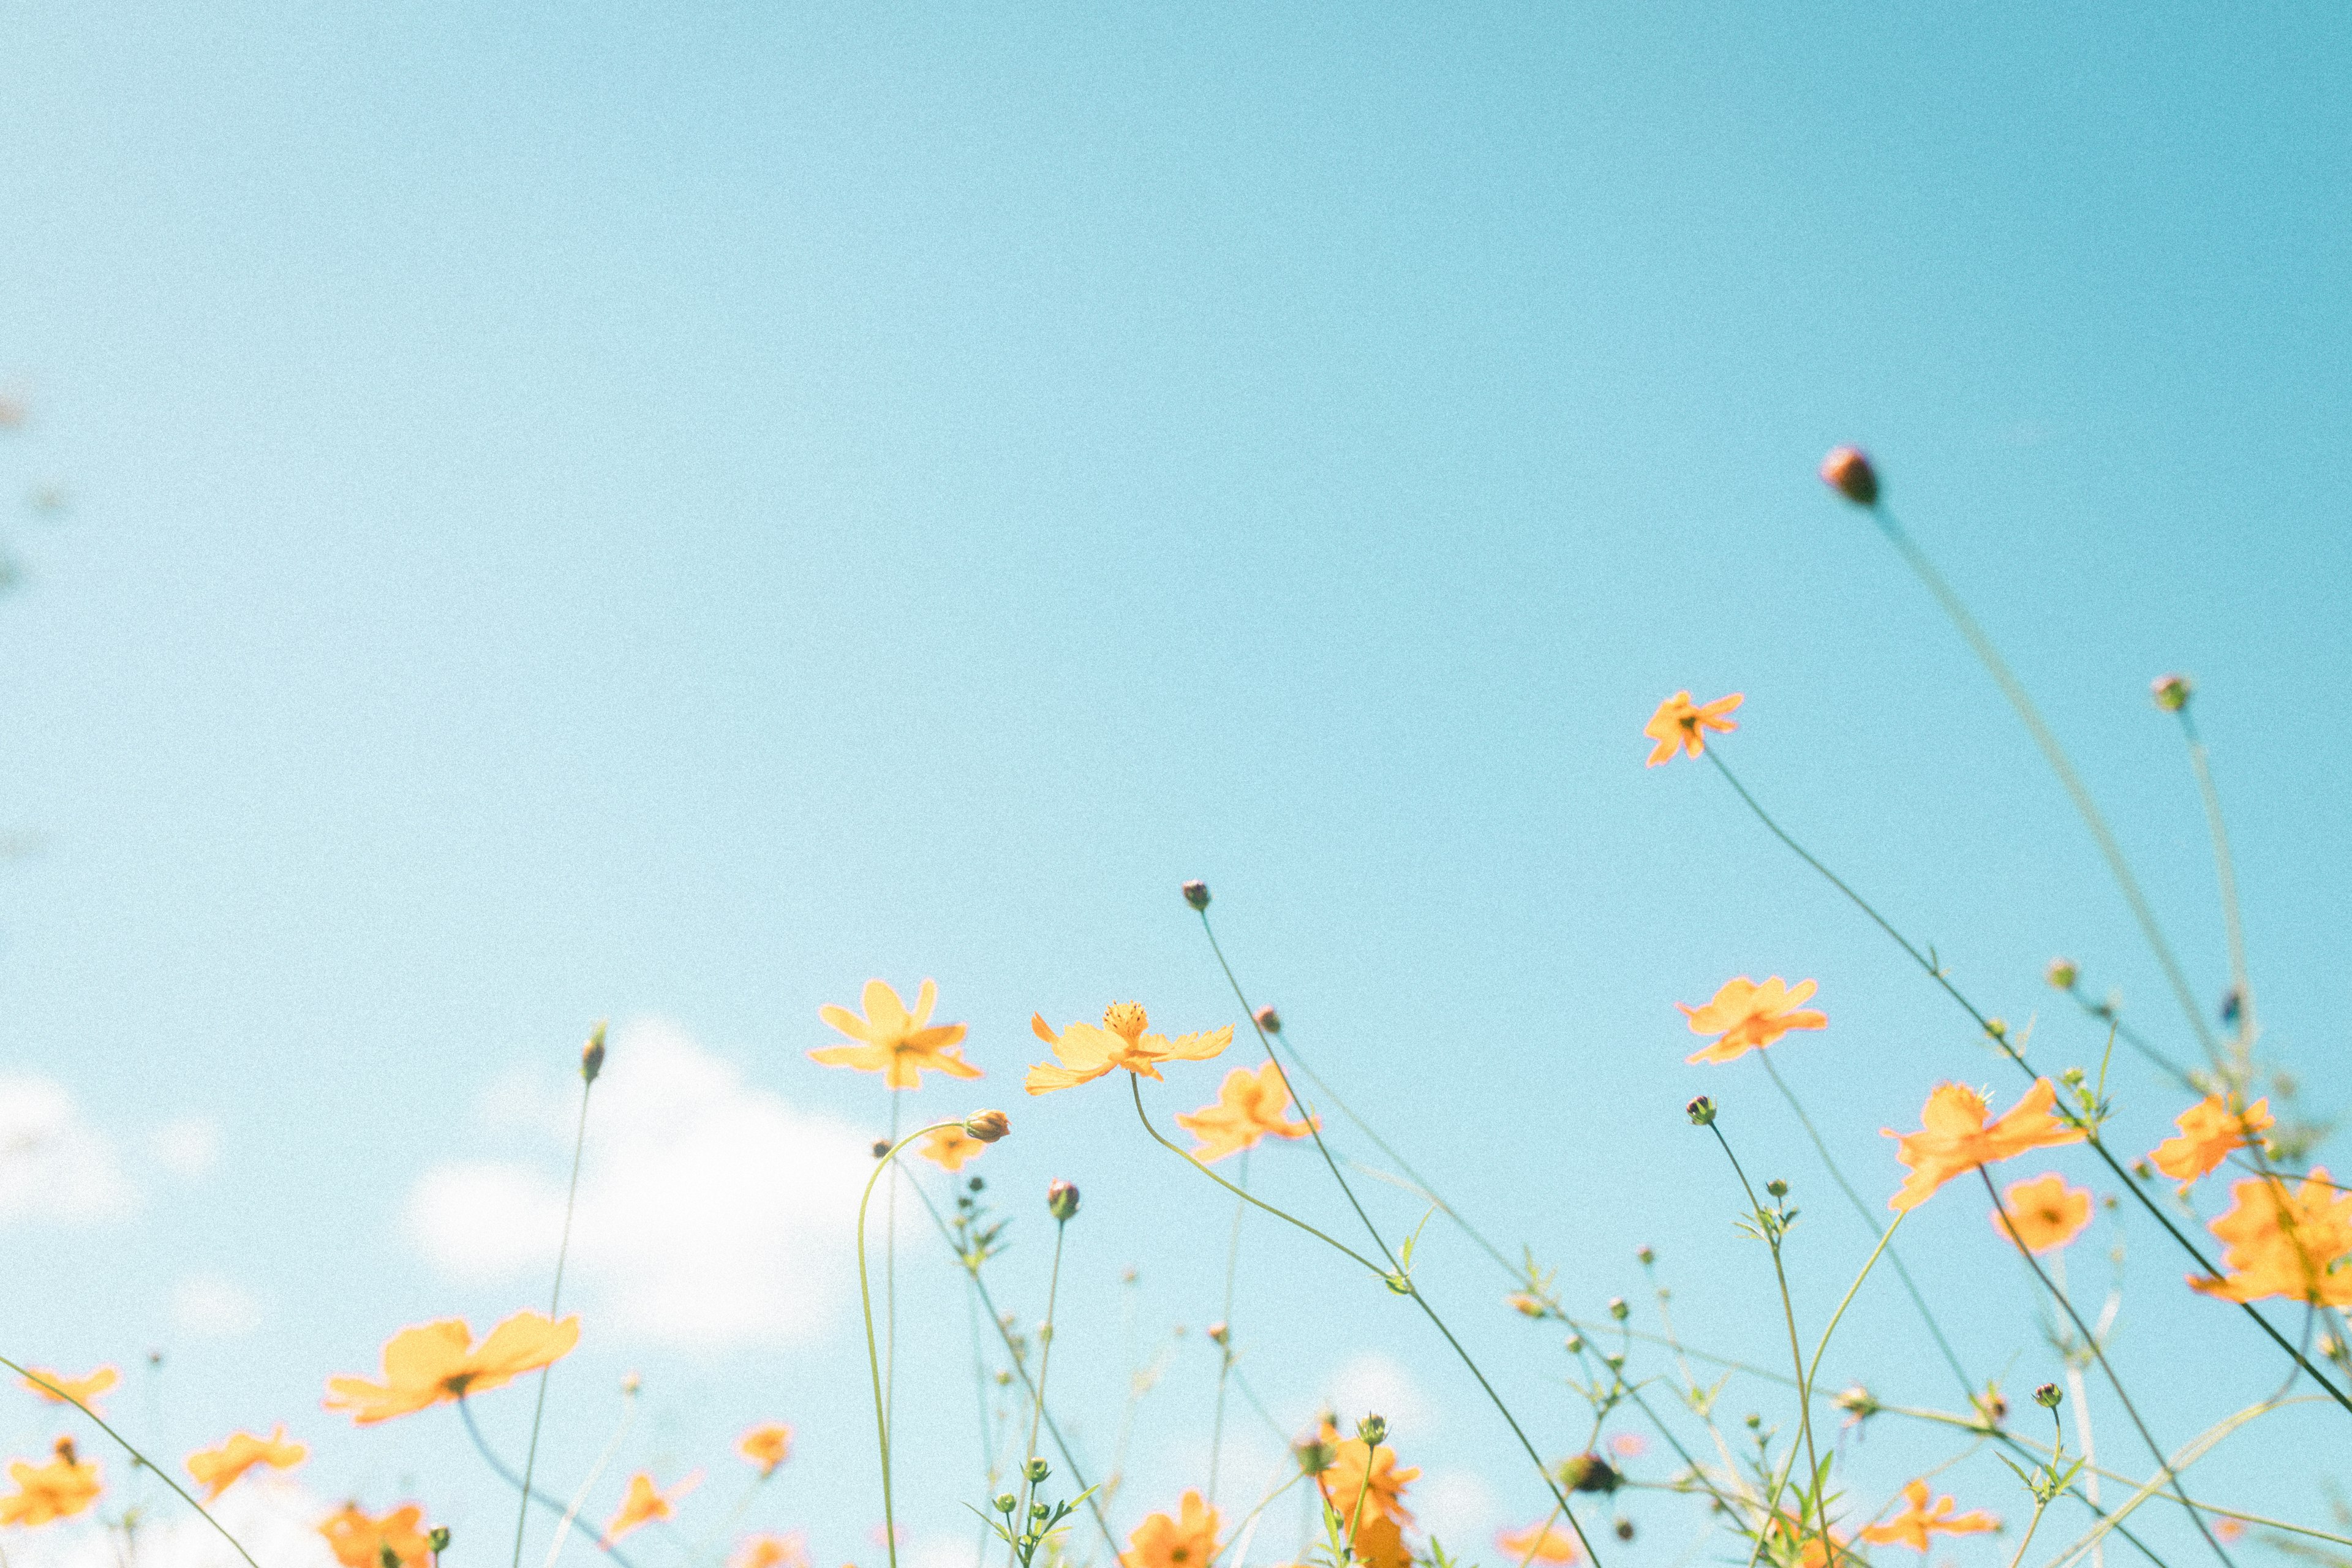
(899, 1044)
(1748, 1017)
(1086, 1053)
(59, 1489)
(643, 1504)
(2046, 1212)
(437, 1362)
(1917, 1521)
(950, 1147)
(1189, 1539)
(56, 1388)
(771, 1552)
(1251, 1106)
(2210, 1132)
(359, 1541)
(1360, 1469)
(217, 1469)
(1680, 724)
(1542, 1542)
(1954, 1137)
(2283, 1244)
(767, 1446)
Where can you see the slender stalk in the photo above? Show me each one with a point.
(555, 1304)
(873, 1357)
(595, 1472)
(1225, 1348)
(2225, 872)
(1045, 1364)
(1136, 1084)
(890, 1281)
(499, 1468)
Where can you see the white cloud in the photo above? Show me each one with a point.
(189, 1147)
(943, 1551)
(212, 1308)
(276, 1517)
(1458, 1509)
(712, 1212)
(1372, 1384)
(53, 1165)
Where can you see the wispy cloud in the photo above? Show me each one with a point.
(211, 1307)
(55, 1166)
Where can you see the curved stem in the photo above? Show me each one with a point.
(873, 1358)
(580, 1498)
(555, 1304)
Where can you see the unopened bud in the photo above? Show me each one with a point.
(1858, 1402)
(1218, 1333)
(1006, 1502)
(631, 1384)
(1589, 1473)
(1037, 1470)
(437, 1538)
(881, 1147)
(1196, 893)
(1060, 1199)
(2171, 692)
(1373, 1429)
(1269, 1020)
(2062, 974)
(2047, 1396)
(1644, 1256)
(987, 1126)
(1777, 1187)
(65, 1450)
(591, 1055)
(1573, 1344)
(1618, 1310)
(1701, 1112)
(1997, 1027)
(1314, 1455)
(1848, 472)
(1624, 1528)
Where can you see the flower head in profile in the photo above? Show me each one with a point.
(216, 1469)
(950, 1147)
(1086, 1053)
(899, 1044)
(1542, 1542)
(1365, 1471)
(2044, 1212)
(1745, 1017)
(2278, 1243)
(56, 1388)
(1680, 724)
(359, 1541)
(436, 1362)
(768, 1446)
(2210, 1131)
(59, 1489)
(1956, 1137)
(771, 1552)
(645, 1503)
(1918, 1521)
(1250, 1107)
(1187, 1539)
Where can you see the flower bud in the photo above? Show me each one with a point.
(2047, 1396)
(1218, 1333)
(1618, 1310)
(1037, 1470)
(1196, 893)
(437, 1538)
(1848, 472)
(1574, 1344)
(1006, 1502)
(2061, 973)
(1060, 1199)
(1373, 1429)
(591, 1055)
(1314, 1455)
(2171, 692)
(881, 1147)
(1589, 1473)
(1777, 1187)
(1701, 1112)
(987, 1126)
(630, 1383)
(1857, 1401)
(1624, 1528)
(1269, 1020)
(1997, 1027)
(1644, 1256)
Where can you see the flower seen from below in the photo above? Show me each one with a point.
(1745, 1017)
(1360, 1469)
(1187, 1539)
(899, 1044)
(1956, 1137)
(1086, 1053)
(56, 1388)
(1542, 1542)
(2210, 1131)
(1251, 1106)
(359, 1541)
(645, 1503)
(216, 1469)
(436, 1362)
(770, 1445)
(1680, 724)
(2046, 1213)
(1918, 1521)
(59, 1489)
(950, 1147)
(771, 1552)
(2278, 1243)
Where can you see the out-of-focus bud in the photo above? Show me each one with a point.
(591, 1055)
(881, 1147)
(1589, 1473)
(1038, 1471)
(437, 1538)
(1624, 1528)
(1858, 1402)
(1574, 1344)
(1848, 472)
(1196, 893)
(2047, 1396)
(1701, 1112)
(1060, 1199)
(1618, 1310)
(2062, 974)
(1997, 1027)
(1373, 1429)
(987, 1126)
(64, 1449)
(1991, 1408)
(631, 1384)
(2171, 692)
(1218, 1333)
(2140, 1169)
(1777, 1187)
(1269, 1020)
(1314, 1455)
(976, 1185)
(2233, 1005)
(1006, 1502)
(1644, 1256)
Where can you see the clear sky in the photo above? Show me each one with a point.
(667, 513)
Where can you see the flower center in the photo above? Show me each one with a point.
(1128, 1020)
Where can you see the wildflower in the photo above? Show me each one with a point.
(1848, 472)
(59, 1489)
(899, 1044)
(2230, 1531)
(2209, 1131)
(1542, 1542)
(1062, 1201)
(1369, 1468)
(2283, 1244)
(950, 1147)
(1196, 893)
(771, 1552)
(1747, 1017)
(1954, 1137)
(987, 1127)
(56, 1388)
(767, 1446)
(1379, 1544)
(436, 1362)
(1680, 724)
(2048, 1397)
(359, 1541)
(2171, 692)
(1086, 1052)
(1250, 1107)
(643, 1504)
(1917, 1521)
(2044, 1212)
(217, 1469)
(1187, 1539)
(1628, 1444)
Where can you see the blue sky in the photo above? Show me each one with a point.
(667, 515)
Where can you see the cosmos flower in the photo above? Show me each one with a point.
(436, 1362)
(643, 1504)
(2284, 1244)
(1747, 1017)
(1187, 1539)
(1086, 1052)
(217, 1469)
(899, 1044)
(1250, 1107)
(768, 1446)
(1359, 1467)
(2046, 1213)
(1680, 724)
(950, 1147)
(2210, 1132)
(771, 1552)
(1918, 1521)
(1956, 1137)
(359, 1541)
(56, 1388)
(1542, 1542)
(59, 1489)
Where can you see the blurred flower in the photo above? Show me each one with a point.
(59, 1489)
(2171, 692)
(771, 1552)
(1680, 724)
(436, 1362)
(217, 1469)
(1357, 1466)
(767, 1446)
(950, 1147)
(1188, 1540)
(1542, 1542)
(1954, 1137)
(1917, 1521)
(1848, 472)
(2283, 1244)
(62, 1390)
(2231, 1530)
(2209, 1131)
(898, 1043)
(2047, 1213)
(359, 1541)
(1747, 1017)
(1086, 1052)
(2063, 973)
(1250, 1107)
(1628, 1444)
(643, 1504)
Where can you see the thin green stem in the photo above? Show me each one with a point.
(1225, 1346)
(595, 1472)
(505, 1473)
(1045, 1363)
(873, 1357)
(554, 1305)
(2225, 872)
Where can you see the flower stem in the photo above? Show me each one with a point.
(1225, 1350)
(554, 1303)
(498, 1466)
(580, 1499)
(873, 1357)
(1037, 1410)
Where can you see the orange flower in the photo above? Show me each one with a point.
(950, 1147)
(2210, 1130)
(1542, 1542)
(1187, 1541)
(899, 1044)
(643, 1504)
(359, 1541)
(1681, 724)
(217, 1469)
(1748, 1017)
(771, 1552)
(2283, 1244)
(2046, 1212)
(1379, 1544)
(62, 1390)
(1917, 1521)
(59, 1489)
(1360, 1468)
(439, 1361)
(1955, 1139)
(1251, 1106)
(1086, 1053)
(768, 1446)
